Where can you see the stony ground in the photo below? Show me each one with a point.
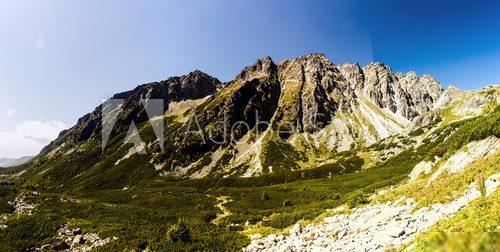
(22, 203)
(74, 240)
(371, 228)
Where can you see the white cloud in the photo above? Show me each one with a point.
(10, 112)
(40, 42)
(29, 138)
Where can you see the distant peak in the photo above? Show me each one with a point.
(348, 65)
(197, 76)
(314, 57)
(264, 66)
(411, 74)
(452, 88)
(377, 64)
(266, 59)
(377, 67)
(355, 64)
(197, 72)
(429, 76)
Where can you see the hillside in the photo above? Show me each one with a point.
(321, 144)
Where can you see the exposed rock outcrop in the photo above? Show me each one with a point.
(312, 91)
(473, 151)
(23, 203)
(424, 167)
(450, 94)
(74, 240)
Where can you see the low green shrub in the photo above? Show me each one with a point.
(472, 130)
(5, 207)
(438, 151)
(265, 196)
(482, 186)
(357, 198)
(287, 203)
(179, 232)
(208, 216)
(417, 132)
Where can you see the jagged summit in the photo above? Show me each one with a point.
(194, 85)
(262, 67)
(316, 58)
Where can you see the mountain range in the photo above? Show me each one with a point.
(312, 109)
(8, 162)
(278, 159)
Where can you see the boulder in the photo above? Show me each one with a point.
(78, 240)
(61, 246)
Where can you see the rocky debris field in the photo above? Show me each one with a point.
(72, 200)
(371, 228)
(74, 240)
(22, 203)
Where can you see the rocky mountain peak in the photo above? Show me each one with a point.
(378, 72)
(194, 85)
(450, 94)
(312, 90)
(311, 68)
(315, 58)
(264, 67)
(353, 74)
(412, 74)
(451, 88)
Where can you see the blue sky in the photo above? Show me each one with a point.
(59, 59)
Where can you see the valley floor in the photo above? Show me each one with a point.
(142, 216)
(442, 207)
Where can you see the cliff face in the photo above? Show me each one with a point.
(405, 94)
(309, 91)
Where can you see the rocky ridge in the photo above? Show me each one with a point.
(195, 85)
(325, 107)
(337, 107)
(473, 151)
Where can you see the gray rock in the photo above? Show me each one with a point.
(77, 231)
(78, 240)
(46, 247)
(394, 230)
(342, 233)
(61, 246)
